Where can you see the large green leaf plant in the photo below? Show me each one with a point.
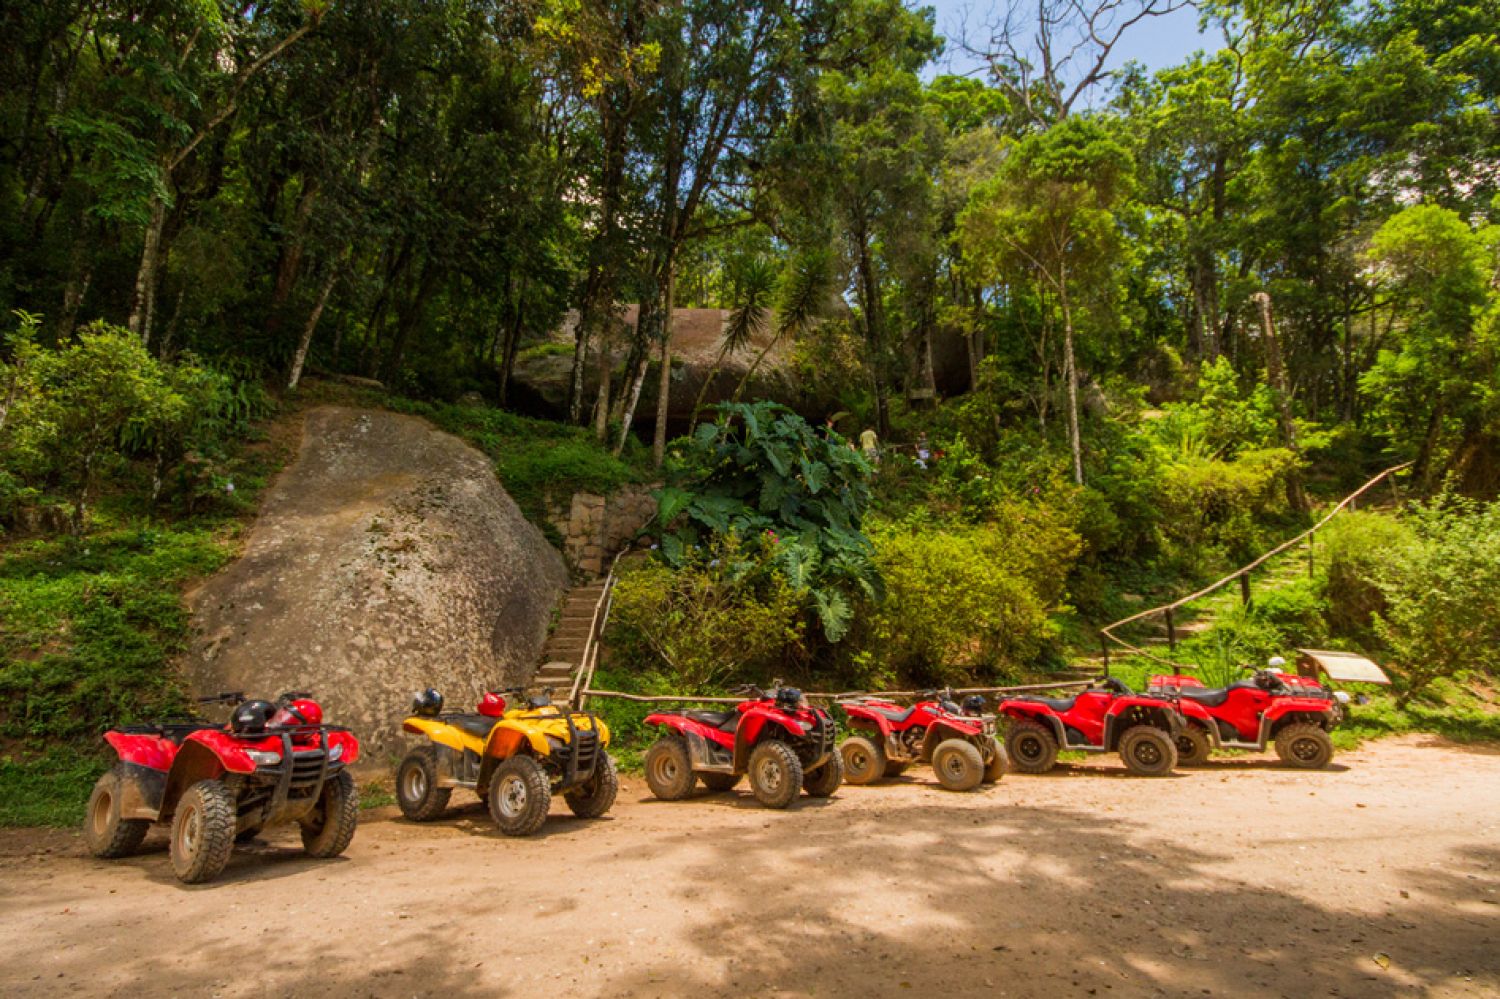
(760, 473)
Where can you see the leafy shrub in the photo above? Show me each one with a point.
(963, 599)
(1442, 594)
(722, 613)
(759, 472)
(1352, 549)
(1212, 505)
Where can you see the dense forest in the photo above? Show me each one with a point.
(1193, 304)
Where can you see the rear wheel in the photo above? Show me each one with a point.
(958, 764)
(1193, 747)
(417, 790)
(593, 799)
(1148, 751)
(720, 782)
(520, 795)
(822, 782)
(1031, 748)
(202, 832)
(863, 759)
(329, 828)
(998, 764)
(669, 771)
(106, 833)
(775, 774)
(1304, 745)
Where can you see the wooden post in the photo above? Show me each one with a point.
(1245, 588)
(1171, 631)
(1309, 554)
(1104, 646)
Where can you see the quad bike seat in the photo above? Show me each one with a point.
(718, 719)
(1058, 704)
(896, 717)
(476, 725)
(173, 732)
(1215, 697)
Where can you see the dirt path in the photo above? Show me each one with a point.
(1241, 879)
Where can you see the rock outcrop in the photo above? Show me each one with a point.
(386, 558)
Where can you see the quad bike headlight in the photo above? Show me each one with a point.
(335, 753)
(263, 758)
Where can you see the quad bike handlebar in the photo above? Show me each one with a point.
(1113, 684)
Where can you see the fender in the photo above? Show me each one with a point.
(442, 733)
(1201, 715)
(196, 761)
(151, 751)
(686, 726)
(1269, 725)
(1021, 711)
(943, 729)
(751, 729)
(1113, 729)
(346, 744)
(507, 738)
(864, 718)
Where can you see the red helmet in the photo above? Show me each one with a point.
(492, 705)
(301, 711)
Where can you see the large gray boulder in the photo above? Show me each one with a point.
(385, 559)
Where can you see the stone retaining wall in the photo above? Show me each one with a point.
(595, 527)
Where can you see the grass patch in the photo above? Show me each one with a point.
(537, 458)
(48, 790)
(89, 627)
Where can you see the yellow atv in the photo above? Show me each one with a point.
(515, 759)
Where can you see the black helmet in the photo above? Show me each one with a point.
(250, 718)
(788, 698)
(974, 704)
(427, 702)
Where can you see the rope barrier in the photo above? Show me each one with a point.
(692, 699)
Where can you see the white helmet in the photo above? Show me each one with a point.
(1275, 663)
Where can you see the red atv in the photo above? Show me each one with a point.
(1293, 713)
(785, 745)
(215, 784)
(959, 742)
(1106, 717)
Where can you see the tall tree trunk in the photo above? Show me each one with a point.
(601, 401)
(870, 305)
(648, 320)
(664, 385)
(1277, 372)
(1070, 366)
(512, 343)
(144, 298)
(289, 264)
(300, 358)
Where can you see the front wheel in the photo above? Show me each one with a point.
(958, 764)
(203, 832)
(669, 771)
(520, 795)
(417, 790)
(1193, 746)
(107, 834)
(864, 760)
(594, 798)
(822, 782)
(1305, 746)
(1032, 749)
(329, 828)
(1148, 751)
(998, 762)
(775, 774)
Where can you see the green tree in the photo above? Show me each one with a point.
(1051, 217)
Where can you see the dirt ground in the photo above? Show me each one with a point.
(1380, 877)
